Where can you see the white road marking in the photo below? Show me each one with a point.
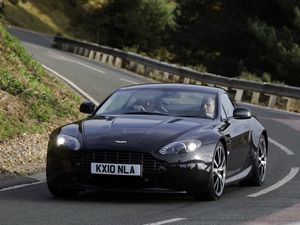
(293, 172)
(129, 81)
(58, 56)
(283, 148)
(20, 186)
(166, 221)
(90, 67)
(78, 89)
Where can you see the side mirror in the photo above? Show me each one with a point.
(242, 113)
(87, 107)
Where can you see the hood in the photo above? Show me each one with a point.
(136, 133)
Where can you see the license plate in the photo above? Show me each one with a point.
(116, 169)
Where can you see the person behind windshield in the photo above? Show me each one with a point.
(208, 107)
(149, 105)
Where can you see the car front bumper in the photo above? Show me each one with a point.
(73, 170)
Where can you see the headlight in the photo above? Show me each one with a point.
(67, 141)
(180, 147)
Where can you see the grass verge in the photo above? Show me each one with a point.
(31, 101)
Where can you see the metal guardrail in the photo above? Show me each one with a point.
(164, 71)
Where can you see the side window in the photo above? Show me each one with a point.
(227, 105)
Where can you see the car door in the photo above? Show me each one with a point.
(237, 134)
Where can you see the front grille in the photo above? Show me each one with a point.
(148, 162)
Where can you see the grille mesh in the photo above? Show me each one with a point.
(148, 162)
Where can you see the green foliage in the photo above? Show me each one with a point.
(10, 83)
(139, 23)
(230, 37)
(9, 126)
(32, 98)
(200, 68)
(265, 77)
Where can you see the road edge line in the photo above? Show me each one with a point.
(293, 172)
(166, 221)
(282, 147)
(71, 84)
(21, 186)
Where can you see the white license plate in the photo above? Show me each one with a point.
(116, 169)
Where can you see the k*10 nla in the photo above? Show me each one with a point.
(116, 169)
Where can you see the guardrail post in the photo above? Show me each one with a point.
(86, 52)
(154, 74)
(92, 54)
(132, 66)
(118, 62)
(158, 76)
(97, 56)
(147, 71)
(65, 47)
(272, 100)
(110, 60)
(104, 58)
(80, 51)
(175, 79)
(75, 50)
(193, 81)
(238, 94)
(140, 69)
(186, 80)
(165, 77)
(255, 98)
(292, 104)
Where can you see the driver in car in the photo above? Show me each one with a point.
(149, 105)
(208, 107)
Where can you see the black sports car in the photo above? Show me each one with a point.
(159, 137)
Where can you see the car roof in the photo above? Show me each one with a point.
(213, 90)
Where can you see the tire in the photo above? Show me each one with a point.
(217, 176)
(60, 192)
(259, 168)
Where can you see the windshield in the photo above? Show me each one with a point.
(184, 103)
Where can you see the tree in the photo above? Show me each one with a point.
(135, 23)
(232, 36)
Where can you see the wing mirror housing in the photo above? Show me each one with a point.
(87, 107)
(242, 113)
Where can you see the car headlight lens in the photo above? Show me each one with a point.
(68, 142)
(180, 147)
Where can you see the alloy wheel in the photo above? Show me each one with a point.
(262, 159)
(219, 170)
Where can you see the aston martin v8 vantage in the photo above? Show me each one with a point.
(171, 137)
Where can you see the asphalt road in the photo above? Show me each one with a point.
(34, 204)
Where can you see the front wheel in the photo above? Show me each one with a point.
(217, 176)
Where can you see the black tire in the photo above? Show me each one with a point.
(214, 189)
(60, 192)
(258, 173)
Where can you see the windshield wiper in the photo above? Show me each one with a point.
(190, 116)
(147, 113)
